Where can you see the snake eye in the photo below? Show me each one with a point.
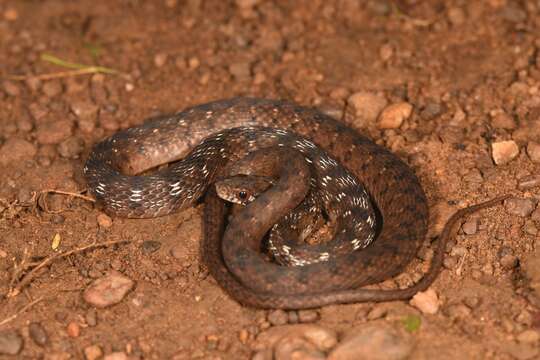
(242, 195)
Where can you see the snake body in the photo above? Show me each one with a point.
(333, 194)
(391, 184)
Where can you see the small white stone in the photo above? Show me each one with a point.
(426, 301)
(393, 116)
(504, 151)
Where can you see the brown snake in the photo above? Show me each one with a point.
(390, 182)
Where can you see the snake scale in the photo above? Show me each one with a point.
(111, 168)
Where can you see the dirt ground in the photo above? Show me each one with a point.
(469, 69)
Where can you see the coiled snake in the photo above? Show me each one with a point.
(392, 185)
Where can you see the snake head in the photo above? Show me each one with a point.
(242, 189)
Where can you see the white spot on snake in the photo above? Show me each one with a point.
(136, 196)
(355, 243)
(100, 189)
(324, 256)
(326, 162)
(370, 220)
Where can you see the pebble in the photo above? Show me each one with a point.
(525, 318)
(519, 207)
(533, 150)
(502, 120)
(116, 356)
(339, 93)
(323, 339)
(470, 226)
(11, 88)
(426, 301)
(529, 336)
(308, 316)
(160, 59)
(73, 329)
(473, 176)
(93, 352)
(108, 121)
(33, 83)
(377, 312)
(528, 182)
(37, 111)
(472, 301)
(181, 253)
(386, 51)
(246, 4)
(108, 290)
(450, 262)
(240, 70)
(194, 63)
(11, 14)
(24, 124)
(271, 40)
(367, 106)
(38, 333)
(150, 246)
(373, 342)
(504, 151)
(530, 228)
(393, 116)
(11, 343)
(91, 317)
(85, 110)
(54, 132)
(243, 336)
(456, 16)
(15, 150)
(277, 317)
(71, 148)
(431, 110)
(52, 88)
(458, 311)
(259, 78)
(292, 319)
(297, 348)
(104, 221)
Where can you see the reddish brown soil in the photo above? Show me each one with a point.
(459, 63)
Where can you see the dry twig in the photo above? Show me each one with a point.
(23, 309)
(16, 288)
(77, 69)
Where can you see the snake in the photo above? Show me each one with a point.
(342, 203)
(201, 140)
